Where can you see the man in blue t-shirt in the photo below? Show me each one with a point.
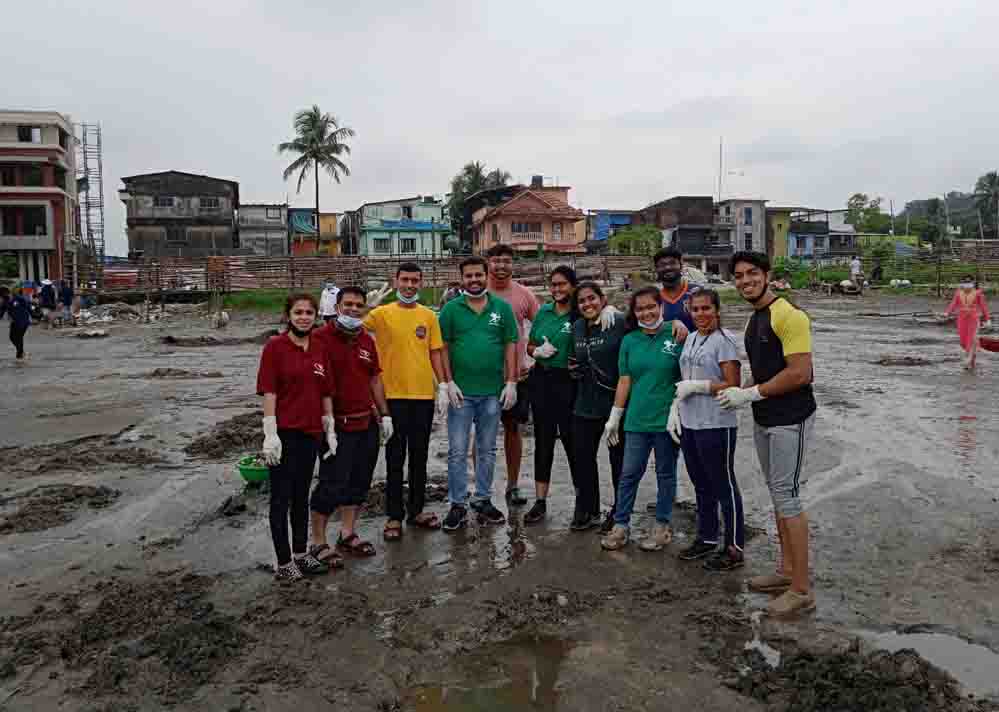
(675, 290)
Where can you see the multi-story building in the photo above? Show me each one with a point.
(602, 224)
(180, 214)
(821, 235)
(408, 226)
(742, 223)
(687, 223)
(538, 216)
(39, 212)
(263, 228)
(778, 227)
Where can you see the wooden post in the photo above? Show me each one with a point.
(939, 266)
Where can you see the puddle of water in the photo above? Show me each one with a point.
(511, 677)
(975, 666)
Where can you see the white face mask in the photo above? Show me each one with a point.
(407, 300)
(349, 323)
(653, 325)
(967, 285)
(475, 294)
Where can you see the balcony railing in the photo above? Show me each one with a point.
(527, 238)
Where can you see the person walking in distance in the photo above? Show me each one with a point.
(295, 380)
(707, 433)
(480, 378)
(778, 342)
(345, 472)
(593, 365)
(327, 301)
(408, 338)
(66, 299)
(525, 308)
(19, 309)
(552, 389)
(649, 367)
(968, 303)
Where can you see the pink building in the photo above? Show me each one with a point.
(537, 215)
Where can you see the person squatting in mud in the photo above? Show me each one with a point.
(358, 401)
(707, 433)
(408, 338)
(297, 385)
(778, 342)
(551, 387)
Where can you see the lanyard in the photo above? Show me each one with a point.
(695, 350)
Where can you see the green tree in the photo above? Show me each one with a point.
(987, 201)
(864, 213)
(636, 240)
(319, 142)
(472, 178)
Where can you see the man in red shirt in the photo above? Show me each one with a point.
(344, 480)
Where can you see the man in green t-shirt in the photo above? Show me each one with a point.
(480, 369)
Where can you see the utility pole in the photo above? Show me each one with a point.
(720, 141)
(891, 211)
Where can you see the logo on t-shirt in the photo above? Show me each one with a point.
(669, 347)
(494, 318)
(364, 354)
(566, 328)
(421, 332)
(319, 369)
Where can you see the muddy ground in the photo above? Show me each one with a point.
(136, 569)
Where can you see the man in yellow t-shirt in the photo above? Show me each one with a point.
(408, 339)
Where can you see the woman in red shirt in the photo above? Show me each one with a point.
(297, 386)
(968, 302)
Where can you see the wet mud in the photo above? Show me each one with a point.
(202, 341)
(166, 600)
(50, 506)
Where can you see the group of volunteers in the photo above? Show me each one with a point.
(665, 378)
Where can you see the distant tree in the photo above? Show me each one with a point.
(932, 229)
(864, 213)
(319, 141)
(472, 178)
(636, 240)
(8, 266)
(987, 200)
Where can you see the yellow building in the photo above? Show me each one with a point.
(328, 242)
(778, 225)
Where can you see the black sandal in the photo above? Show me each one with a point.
(355, 546)
(333, 559)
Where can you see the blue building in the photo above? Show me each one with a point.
(602, 224)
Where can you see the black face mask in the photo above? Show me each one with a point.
(670, 277)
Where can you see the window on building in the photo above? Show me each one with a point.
(748, 241)
(728, 209)
(496, 235)
(312, 219)
(64, 139)
(208, 202)
(29, 134)
(34, 221)
(557, 231)
(383, 244)
(162, 201)
(747, 215)
(31, 176)
(273, 213)
(407, 212)
(408, 244)
(8, 175)
(521, 227)
(177, 235)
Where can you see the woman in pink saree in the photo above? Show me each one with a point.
(968, 304)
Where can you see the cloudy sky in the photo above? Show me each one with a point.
(623, 101)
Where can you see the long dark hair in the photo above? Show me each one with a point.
(631, 320)
(570, 276)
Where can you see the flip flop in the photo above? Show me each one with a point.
(429, 522)
(333, 559)
(392, 531)
(355, 546)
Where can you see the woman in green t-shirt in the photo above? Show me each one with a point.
(551, 387)
(649, 368)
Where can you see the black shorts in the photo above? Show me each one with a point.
(345, 478)
(520, 414)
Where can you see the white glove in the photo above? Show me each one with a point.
(376, 296)
(443, 398)
(329, 427)
(272, 443)
(454, 395)
(735, 397)
(612, 429)
(608, 315)
(689, 388)
(680, 331)
(987, 324)
(546, 350)
(673, 426)
(508, 398)
(387, 429)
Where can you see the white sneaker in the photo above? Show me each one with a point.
(616, 539)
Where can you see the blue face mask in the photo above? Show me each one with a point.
(349, 323)
(407, 300)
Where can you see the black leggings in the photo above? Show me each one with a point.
(587, 433)
(17, 338)
(553, 393)
(290, 490)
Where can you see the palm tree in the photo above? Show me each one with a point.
(472, 178)
(320, 140)
(987, 197)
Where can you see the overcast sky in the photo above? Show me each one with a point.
(623, 101)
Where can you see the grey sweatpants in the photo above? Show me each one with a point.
(781, 449)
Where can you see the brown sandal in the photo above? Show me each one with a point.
(355, 546)
(426, 520)
(393, 530)
(332, 559)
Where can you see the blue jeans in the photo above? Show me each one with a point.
(484, 413)
(637, 447)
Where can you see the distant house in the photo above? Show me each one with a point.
(778, 227)
(305, 239)
(687, 223)
(392, 228)
(173, 213)
(602, 224)
(741, 222)
(534, 217)
(820, 234)
(263, 228)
